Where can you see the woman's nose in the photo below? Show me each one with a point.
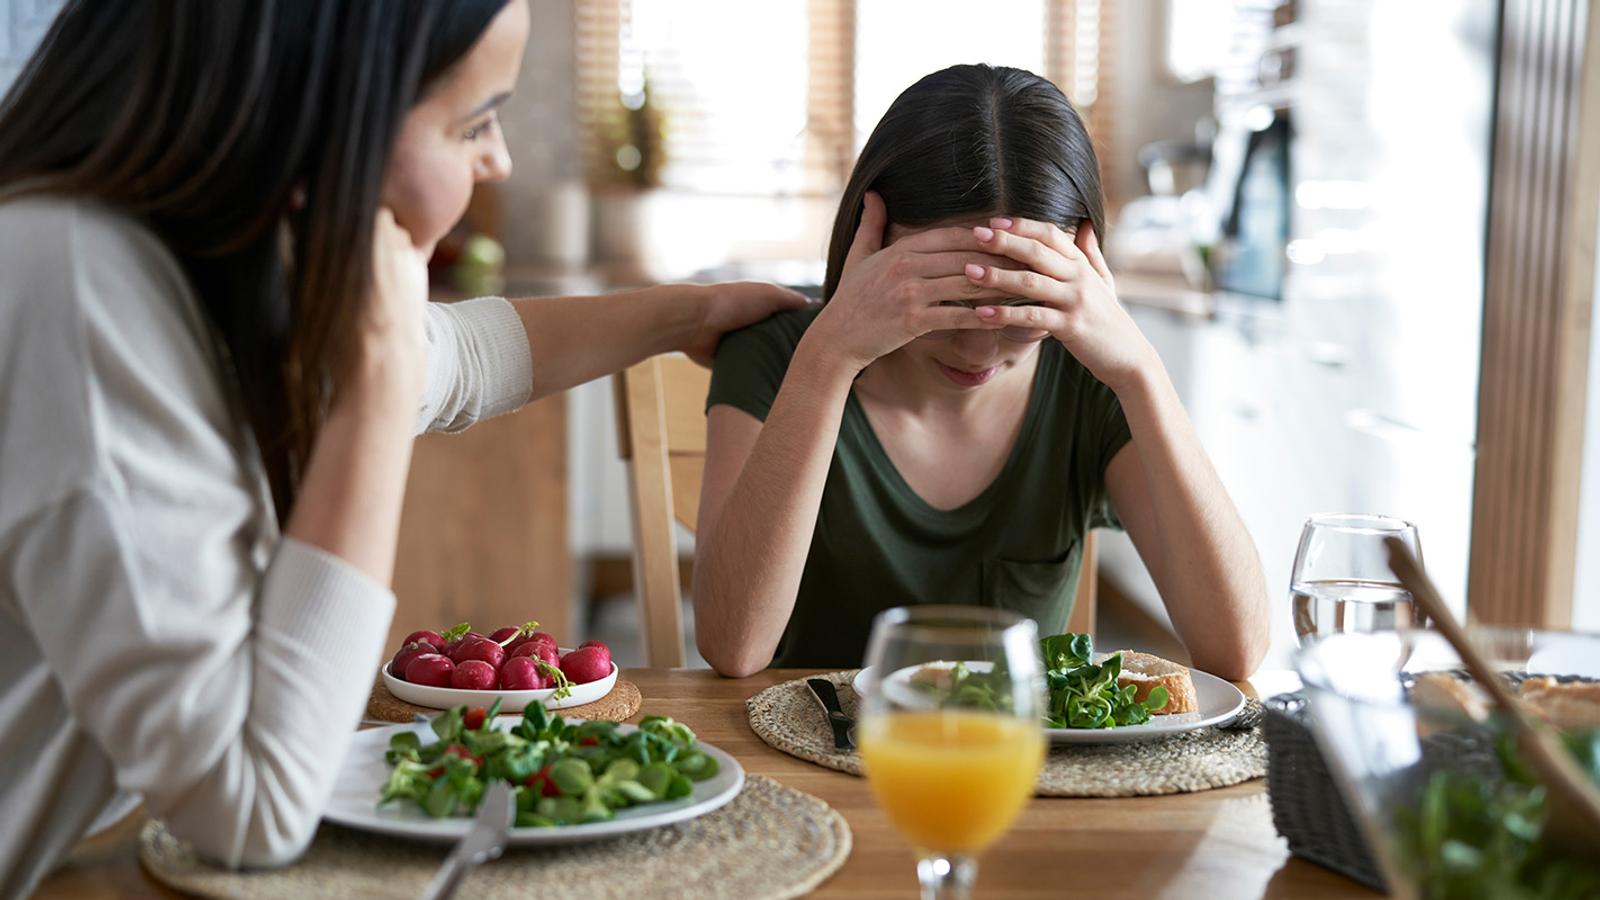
(977, 345)
(495, 163)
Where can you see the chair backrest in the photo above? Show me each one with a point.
(1082, 618)
(661, 433)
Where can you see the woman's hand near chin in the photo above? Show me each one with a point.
(388, 354)
(350, 496)
(1074, 296)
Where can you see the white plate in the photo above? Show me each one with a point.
(1218, 702)
(364, 773)
(510, 701)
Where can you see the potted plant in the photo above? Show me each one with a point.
(626, 179)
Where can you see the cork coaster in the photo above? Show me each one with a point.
(788, 718)
(770, 843)
(619, 705)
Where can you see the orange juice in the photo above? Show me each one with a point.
(951, 781)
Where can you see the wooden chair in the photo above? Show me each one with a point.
(1082, 618)
(661, 434)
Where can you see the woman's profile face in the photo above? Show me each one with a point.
(451, 140)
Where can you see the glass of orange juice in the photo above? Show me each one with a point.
(951, 732)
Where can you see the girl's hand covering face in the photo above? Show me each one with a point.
(1067, 277)
(890, 296)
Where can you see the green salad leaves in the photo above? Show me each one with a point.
(1470, 837)
(1085, 694)
(562, 773)
(1082, 693)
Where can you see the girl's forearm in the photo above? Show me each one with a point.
(1207, 569)
(749, 561)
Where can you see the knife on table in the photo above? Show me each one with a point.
(485, 841)
(828, 696)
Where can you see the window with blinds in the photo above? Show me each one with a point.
(774, 98)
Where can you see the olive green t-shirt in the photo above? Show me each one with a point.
(878, 545)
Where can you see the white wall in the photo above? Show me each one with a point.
(1586, 590)
(1149, 104)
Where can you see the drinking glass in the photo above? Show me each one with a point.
(952, 770)
(1341, 580)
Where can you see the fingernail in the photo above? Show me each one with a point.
(983, 234)
(987, 312)
(975, 271)
(1000, 223)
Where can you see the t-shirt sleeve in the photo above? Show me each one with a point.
(749, 367)
(1105, 433)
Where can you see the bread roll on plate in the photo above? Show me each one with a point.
(1146, 670)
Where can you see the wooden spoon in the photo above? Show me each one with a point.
(1572, 799)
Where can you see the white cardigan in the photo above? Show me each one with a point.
(158, 637)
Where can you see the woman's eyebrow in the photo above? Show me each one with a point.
(487, 105)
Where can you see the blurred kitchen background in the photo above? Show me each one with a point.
(1300, 198)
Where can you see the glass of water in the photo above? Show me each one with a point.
(1341, 580)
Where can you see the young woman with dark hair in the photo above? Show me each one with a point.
(214, 351)
(968, 403)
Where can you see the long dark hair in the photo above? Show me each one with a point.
(201, 119)
(971, 140)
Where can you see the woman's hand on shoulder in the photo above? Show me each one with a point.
(1073, 292)
(731, 306)
(388, 358)
(889, 296)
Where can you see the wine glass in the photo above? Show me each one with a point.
(951, 733)
(1341, 580)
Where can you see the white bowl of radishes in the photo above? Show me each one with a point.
(516, 665)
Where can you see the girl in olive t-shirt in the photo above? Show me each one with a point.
(966, 404)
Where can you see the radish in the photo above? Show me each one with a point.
(586, 664)
(598, 644)
(473, 675)
(431, 637)
(397, 666)
(500, 635)
(544, 637)
(538, 650)
(454, 648)
(431, 669)
(521, 673)
(483, 649)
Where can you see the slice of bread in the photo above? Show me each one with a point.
(1445, 693)
(1146, 670)
(1568, 707)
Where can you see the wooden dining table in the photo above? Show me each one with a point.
(1216, 844)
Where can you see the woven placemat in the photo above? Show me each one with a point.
(789, 718)
(617, 706)
(771, 842)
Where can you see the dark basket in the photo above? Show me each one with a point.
(1307, 808)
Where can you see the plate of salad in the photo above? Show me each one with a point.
(572, 780)
(1092, 697)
